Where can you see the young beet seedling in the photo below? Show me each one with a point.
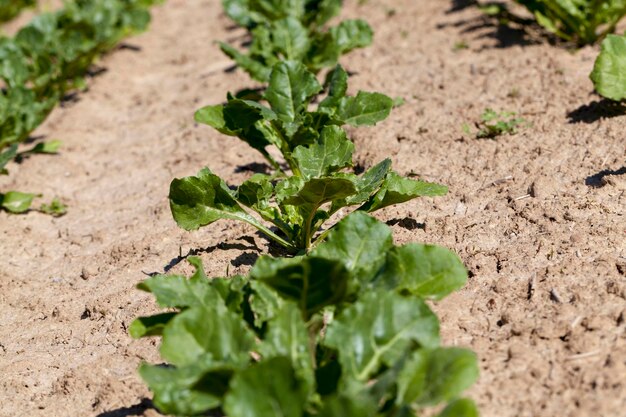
(299, 200)
(341, 332)
(293, 30)
(493, 124)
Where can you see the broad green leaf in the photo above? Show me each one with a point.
(431, 377)
(462, 407)
(252, 394)
(6, 157)
(213, 116)
(265, 303)
(256, 193)
(287, 336)
(203, 199)
(311, 282)
(323, 52)
(272, 10)
(368, 183)
(364, 109)
(149, 326)
(337, 81)
(427, 271)
(345, 405)
(210, 330)
(318, 191)
(189, 390)
(378, 330)
(290, 38)
(238, 11)
(397, 189)
(360, 242)
(16, 202)
(333, 152)
(290, 89)
(352, 34)
(609, 72)
(319, 12)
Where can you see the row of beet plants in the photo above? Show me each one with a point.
(48, 58)
(339, 326)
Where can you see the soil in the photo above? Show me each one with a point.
(538, 217)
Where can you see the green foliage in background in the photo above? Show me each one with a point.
(293, 30)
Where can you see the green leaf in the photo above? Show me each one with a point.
(318, 191)
(397, 189)
(6, 157)
(189, 390)
(348, 405)
(290, 89)
(16, 202)
(431, 377)
(50, 147)
(609, 72)
(360, 242)
(203, 199)
(333, 152)
(311, 282)
(56, 208)
(265, 303)
(204, 330)
(287, 336)
(291, 39)
(369, 182)
(378, 330)
(462, 407)
(352, 34)
(149, 326)
(364, 109)
(251, 394)
(424, 270)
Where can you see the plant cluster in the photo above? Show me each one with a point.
(343, 331)
(579, 21)
(314, 185)
(49, 57)
(11, 8)
(609, 72)
(293, 30)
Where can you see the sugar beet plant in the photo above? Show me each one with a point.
(341, 332)
(293, 30)
(580, 21)
(298, 199)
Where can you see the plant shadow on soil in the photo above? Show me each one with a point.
(240, 260)
(596, 110)
(134, 410)
(523, 34)
(597, 180)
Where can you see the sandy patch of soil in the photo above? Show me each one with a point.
(537, 217)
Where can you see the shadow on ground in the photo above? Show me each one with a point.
(596, 110)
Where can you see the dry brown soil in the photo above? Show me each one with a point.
(538, 217)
